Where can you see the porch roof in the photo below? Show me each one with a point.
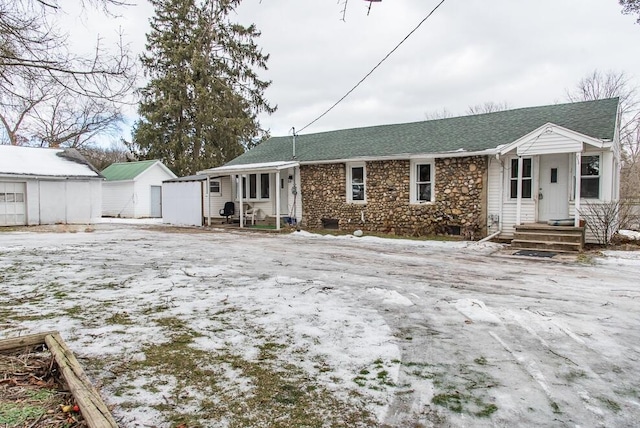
(253, 168)
(476, 133)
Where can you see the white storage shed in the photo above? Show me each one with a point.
(134, 189)
(47, 186)
(183, 200)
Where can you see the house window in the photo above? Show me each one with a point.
(264, 186)
(356, 186)
(424, 183)
(257, 186)
(590, 177)
(214, 186)
(253, 186)
(527, 178)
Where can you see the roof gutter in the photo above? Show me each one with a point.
(455, 154)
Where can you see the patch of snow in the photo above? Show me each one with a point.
(630, 234)
(476, 311)
(41, 162)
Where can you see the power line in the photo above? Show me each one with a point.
(374, 68)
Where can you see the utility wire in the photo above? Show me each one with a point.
(374, 68)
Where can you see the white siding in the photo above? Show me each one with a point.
(217, 201)
(182, 203)
(548, 144)
(132, 198)
(153, 176)
(494, 186)
(63, 201)
(118, 199)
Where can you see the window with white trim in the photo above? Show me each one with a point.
(264, 186)
(356, 183)
(257, 186)
(590, 177)
(527, 178)
(422, 182)
(214, 187)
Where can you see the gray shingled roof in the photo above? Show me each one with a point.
(596, 119)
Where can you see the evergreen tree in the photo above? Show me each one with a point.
(199, 109)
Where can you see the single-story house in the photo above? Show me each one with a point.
(477, 176)
(47, 186)
(134, 189)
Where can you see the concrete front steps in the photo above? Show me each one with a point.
(542, 237)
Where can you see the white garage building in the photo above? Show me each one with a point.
(47, 186)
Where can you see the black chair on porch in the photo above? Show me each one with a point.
(228, 210)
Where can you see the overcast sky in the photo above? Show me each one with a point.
(522, 52)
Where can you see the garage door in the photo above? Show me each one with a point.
(12, 205)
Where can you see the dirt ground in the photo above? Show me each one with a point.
(339, 331)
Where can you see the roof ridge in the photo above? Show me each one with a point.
(511, 110)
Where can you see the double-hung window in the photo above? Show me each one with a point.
(590, 177)
(527, 178)
(214, 187)
(356, 183)
(422, 182)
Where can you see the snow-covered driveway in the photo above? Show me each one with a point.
(244, 329)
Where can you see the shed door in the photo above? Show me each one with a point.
(156, 201)
(12, 204)
(553, 196)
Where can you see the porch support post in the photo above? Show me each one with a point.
(576, 197)
(277, 191)
(240, 189)
(519, 191)
(208, 201)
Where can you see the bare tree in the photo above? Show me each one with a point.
(487, 107)
(30, 42)
(66, 120)
(102, 157)
(443, 113)
(598, 85)
(603, 219)
(48, 94)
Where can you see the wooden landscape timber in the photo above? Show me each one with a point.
(95, 413)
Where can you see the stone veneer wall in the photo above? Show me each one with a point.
(460, 198)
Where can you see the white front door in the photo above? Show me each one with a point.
(553, 194)
(283, 187)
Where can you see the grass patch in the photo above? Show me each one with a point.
(610, 404)
(120, 318)
(222, 388)
(14, 415)
(458, 387)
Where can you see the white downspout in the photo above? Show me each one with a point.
(278, 198)
(501, 212)
(240, 189)
(519, 191)
(576, 214)
(208, 201)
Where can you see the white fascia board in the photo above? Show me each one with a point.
(150, 167)
(22, 177)
(249, 168)
(556, 129)
(404, 156)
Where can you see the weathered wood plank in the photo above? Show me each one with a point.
(16, 343)
(95, 412)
